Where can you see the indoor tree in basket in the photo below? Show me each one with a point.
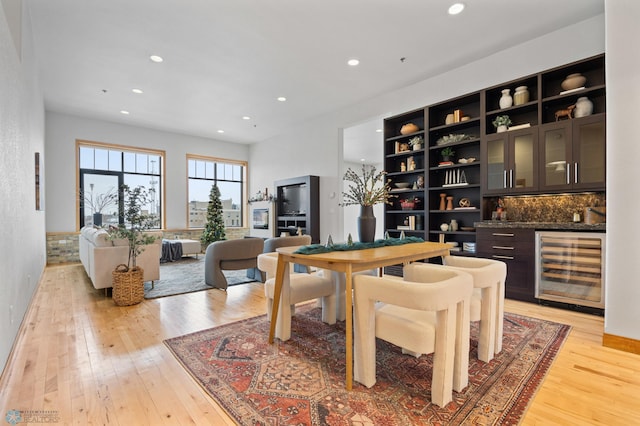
(214, 228)
(366, 190)
(128, 286)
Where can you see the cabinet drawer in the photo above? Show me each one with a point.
(503, 241)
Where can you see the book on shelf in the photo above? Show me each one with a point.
(465, 208)
(447, 185)
(410, 224)
(403, 228)
(445, 163)
(577, 89)
(520, 126)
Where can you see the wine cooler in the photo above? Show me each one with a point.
(570, 267)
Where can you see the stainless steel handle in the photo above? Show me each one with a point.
(511, 178)
(497, 256)
(575, 172)
(502, 234)
(504, 178)
(568, 175)
(503, 247)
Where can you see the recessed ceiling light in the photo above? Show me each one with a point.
(378, 130)
(353, 62)
(456, 8)
(282, 98)
(156, 58)
(246, 117)
(362, 159)
(220, 131)
(124, 112)
(138, 91)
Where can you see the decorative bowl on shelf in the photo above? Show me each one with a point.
(466, 160)
(402, 185)
(407, 205)
(408, 129)
(573, 81)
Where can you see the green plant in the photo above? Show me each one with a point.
(367, 189)
(501, 120)
(135, 222)
(214, 228)
(447, 152)
(415, 141)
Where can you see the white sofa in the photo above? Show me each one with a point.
(100, 256)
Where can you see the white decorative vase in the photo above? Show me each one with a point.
(584, 107)
(453, 226)
(501, 129)
(521, 96)
(506, 100)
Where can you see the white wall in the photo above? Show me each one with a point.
(61, 133)
(21, 135)
(317, 146)
(623, 155)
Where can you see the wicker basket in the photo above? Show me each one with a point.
(128, 285)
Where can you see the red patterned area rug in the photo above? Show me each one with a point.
(301, 381)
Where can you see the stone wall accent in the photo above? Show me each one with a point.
(551, 208)
(62, 247)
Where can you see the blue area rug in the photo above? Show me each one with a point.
(187, 276)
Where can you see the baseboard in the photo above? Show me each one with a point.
(621, 343)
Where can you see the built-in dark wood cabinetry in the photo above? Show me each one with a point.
(405, 165)
(298, 206)
(515, 247)
(542, 152)
(454, 186)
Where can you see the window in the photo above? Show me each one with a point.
(103, 169)
(229, 176)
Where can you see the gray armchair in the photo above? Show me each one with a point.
(271, 244)
(230, 255)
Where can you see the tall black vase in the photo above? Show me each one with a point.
(366, 224)
(97, 219)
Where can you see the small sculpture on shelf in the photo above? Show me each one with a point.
(403, 167)
(442, 201)
(565, 112)
(420, 182)
(409, 128)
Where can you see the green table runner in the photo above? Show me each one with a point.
(319, 248)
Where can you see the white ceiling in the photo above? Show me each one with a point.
(225, 59)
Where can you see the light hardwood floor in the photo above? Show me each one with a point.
(95, 363)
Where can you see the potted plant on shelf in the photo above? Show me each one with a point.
(501, 123)
(416, 142)
(128, 285)
(447, 154)
(366, 190)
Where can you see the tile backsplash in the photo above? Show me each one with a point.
(551, 208)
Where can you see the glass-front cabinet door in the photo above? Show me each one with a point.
(512, 159)
(496, 167)
(573, 154)
(523, 176)
(555, 156)
(589, 136)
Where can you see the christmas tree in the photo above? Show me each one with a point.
(214, 228)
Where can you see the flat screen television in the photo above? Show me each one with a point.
(293, 199)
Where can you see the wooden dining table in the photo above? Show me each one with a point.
(348, 262)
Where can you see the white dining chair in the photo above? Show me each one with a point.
(430, 316)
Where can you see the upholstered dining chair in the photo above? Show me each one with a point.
(302, 287)
(230, 255)
(430, 315)
(487, 301)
